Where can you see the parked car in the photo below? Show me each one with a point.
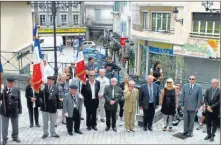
(97, 57)
(87, 50)
(88, 44)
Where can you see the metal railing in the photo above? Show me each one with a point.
(142, 29)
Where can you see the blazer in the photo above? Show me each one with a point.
(49, 99)
(108, 97)
(69, 105)
(29, 95)
(144, 96)
(130, 98)
(87, 94)
(71, 71)
(214, 102)
(191, 101)
(11, 103)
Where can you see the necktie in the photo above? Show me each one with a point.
(113, 93)
(213, 93)
(151, 94)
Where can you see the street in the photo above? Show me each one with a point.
(33, 135)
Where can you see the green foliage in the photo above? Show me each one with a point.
(173, 67)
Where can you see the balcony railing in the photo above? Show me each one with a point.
(141, 29)
(92, 21)
(204, 35)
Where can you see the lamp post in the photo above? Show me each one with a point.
(131, 44)
(175, 11)
(53, 7)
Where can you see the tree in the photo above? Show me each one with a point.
(173, 66)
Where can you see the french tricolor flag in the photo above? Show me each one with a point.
(38, 67)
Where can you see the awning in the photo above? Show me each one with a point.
(64, 34)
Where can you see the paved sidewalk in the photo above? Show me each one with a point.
(33, 135)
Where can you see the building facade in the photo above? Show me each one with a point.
(70, 22)
(158, 30)
(17, 36)
(98, 19)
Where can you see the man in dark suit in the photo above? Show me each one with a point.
(10, 109)
(112, 95)
(212, 104)
(148, 100)
(90, 92)
(190, 104)
(72, 69)
(50, 99)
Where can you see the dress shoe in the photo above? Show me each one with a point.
(89, 128)
(102, 120)
(144, 129)
(44, 136)
(4, 142)
(78, 131)
(31, 126)
(56, 136)
(17, 140)
(82, 118)
(128, 130)
(207, 137)
(63, 122)
(115, 129)
(212, 138)
(38, 125)
(150, 128)
(132, 130)
(70, 133)
(107, 128)
(190, 135)
(94, 128)
(185, 133)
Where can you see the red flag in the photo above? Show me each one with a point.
(81, 68)
(37, 77)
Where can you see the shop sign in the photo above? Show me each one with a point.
(160, 48)
(63, 30)
(199, 48)
(122, 41)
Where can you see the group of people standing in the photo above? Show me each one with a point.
(103, 97)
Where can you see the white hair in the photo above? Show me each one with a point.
(169, 80)
(215, 80)
(102, 70)
(131, 82)
(114, 79)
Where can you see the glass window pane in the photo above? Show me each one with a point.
(210, 27)
(164, 26)
(217, 28)
(202, 26)
(195, 26)
(144, 20)
(153, 21)
(169, 21)
(159, 20)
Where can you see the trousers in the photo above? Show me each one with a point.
(33, 112)
(5, 122)
(168, 120)
(76, 119)
(101, 110)
(111, 116)
(129, 119)
(46, 116)
(189, 117)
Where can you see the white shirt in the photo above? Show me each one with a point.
(103, 83)
(113, 93)
(92, 89)
(47, 72)
(192, 85)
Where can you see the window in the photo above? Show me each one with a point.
(75, 19)
(161, 21)
(145, 16)
(64, 19)
(97, 14)
(117, 6)
(76, 6)
(42, 19)
(51, 20)
(206, 28)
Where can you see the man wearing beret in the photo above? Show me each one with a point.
(71, 105)
(50, 99)
(10, 108)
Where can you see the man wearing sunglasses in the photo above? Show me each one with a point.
(191, 98)
(90, 92)
(72, 69)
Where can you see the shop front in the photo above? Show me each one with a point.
(202, 58)
(69, 35)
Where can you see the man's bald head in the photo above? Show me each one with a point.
(150, 79)
(102, 72)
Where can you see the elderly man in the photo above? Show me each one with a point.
(112, 94)
(90, 92)
(130, 97)
(72, 104)
(212, 104)
(10, 109)
(191, 98)
(148, 100)
(72, 69)
(104, 81)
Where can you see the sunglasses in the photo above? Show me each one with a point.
(191, 79)
(91, 75)
(68, 75)
(169, 82)
(73, 64)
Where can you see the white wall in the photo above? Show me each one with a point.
(16, 25)
(106, 11)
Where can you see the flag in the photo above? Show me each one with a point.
(38, 67)
(81, 68)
